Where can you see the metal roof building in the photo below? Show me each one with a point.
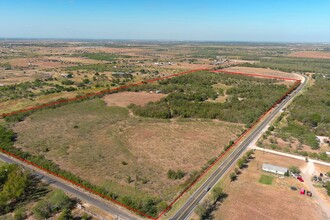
(274, 169)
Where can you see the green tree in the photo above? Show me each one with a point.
(42, 210)
(59, 200)
(16, 184)
(232, 176)
(294, 169)
(240, 163)
(217, 193)
(65, 215)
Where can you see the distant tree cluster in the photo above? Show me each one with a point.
(188, 94)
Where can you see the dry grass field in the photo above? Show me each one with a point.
(267, 72)
(255, 200)
(123, 99)
(311, 54)
(106, 146)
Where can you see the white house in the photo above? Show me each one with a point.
(274, 169)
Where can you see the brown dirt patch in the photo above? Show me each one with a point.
(311, 54)
(258, 201)
(123, 99)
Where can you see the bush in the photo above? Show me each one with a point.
(67, 82)
(20, 214)
(52, 204)
(42, 210)
(294, 169)
(171, 174)
(327, 187)
(240, 163)
(232, 176)
(217, 193)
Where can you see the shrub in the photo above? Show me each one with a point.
(294, 169)
(171, 174)
(232, 176)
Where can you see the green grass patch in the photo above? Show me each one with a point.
(264, 179)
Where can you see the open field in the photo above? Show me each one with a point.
(311, 54)
(105, 146)
(123, 99)
(263, 71)
(255, 200)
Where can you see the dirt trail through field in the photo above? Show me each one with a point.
(307, 173)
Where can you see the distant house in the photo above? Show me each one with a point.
(121, 75)
(274, 169)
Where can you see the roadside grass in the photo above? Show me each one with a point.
(264, 179)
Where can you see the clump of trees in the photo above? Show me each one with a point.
(241, 163)
(14, 183)
(188, 94)
(56, 202)
(171, 174)
(205, 209)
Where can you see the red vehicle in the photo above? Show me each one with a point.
(300, 178)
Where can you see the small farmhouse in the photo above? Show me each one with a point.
(274, 169)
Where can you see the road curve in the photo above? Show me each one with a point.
(65, 186)
(186, 210)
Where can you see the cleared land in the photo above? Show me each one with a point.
(311, 54)
(255, 200)
(123, 99)
(105, 146)
(263, 71)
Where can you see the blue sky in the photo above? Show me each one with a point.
(216, 20)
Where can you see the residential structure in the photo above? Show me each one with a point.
(274, 169)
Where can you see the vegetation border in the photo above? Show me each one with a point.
(91, 95)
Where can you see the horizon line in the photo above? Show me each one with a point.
(162, 40)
